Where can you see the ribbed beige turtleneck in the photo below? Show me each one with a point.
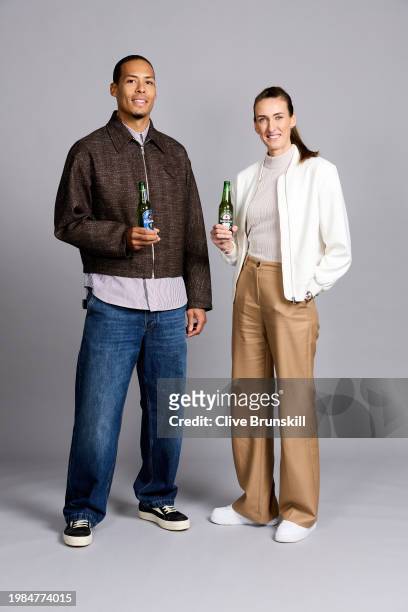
(262, 225)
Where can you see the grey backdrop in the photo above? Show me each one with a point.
(344, 64)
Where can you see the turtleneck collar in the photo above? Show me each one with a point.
(279, 162)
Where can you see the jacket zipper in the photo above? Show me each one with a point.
(290, 248)
(148, 195)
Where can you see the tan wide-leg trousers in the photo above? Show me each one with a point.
(271, 334)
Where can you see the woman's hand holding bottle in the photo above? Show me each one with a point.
(223, 238)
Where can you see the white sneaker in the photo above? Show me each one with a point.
(292, 532)
(228, 516)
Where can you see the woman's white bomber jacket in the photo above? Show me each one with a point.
(315, 236)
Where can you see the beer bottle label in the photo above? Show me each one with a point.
(147, 219)
(226, 220)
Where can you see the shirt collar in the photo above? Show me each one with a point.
(139, 136)
(121, 135)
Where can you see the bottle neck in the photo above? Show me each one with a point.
(226, 194)
(143, 196)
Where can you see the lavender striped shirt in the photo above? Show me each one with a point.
(142, 293)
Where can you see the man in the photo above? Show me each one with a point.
(141, 283)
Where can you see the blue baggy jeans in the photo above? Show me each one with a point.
(115, 339)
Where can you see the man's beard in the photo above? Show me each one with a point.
(138, 115)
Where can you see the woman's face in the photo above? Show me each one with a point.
(273, 124)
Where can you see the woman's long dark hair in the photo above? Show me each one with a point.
(278, 92)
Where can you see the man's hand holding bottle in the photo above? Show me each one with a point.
(139, 237)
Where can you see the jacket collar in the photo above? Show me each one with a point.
(295, 159)
(255, 176)
(120, 135)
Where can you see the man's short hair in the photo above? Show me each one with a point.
(128, 58)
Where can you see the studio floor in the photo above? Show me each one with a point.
(355, 560)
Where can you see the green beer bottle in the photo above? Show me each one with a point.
(144, 211)
(225, 210)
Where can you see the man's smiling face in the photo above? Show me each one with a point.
(135, 92)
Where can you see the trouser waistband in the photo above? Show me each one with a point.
(257, 263)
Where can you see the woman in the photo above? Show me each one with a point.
(290, 243)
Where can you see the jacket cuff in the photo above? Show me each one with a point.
(231, 257)
(202, 305)
(314, 288)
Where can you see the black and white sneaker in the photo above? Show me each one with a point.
(165, 516)
(78, 533)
